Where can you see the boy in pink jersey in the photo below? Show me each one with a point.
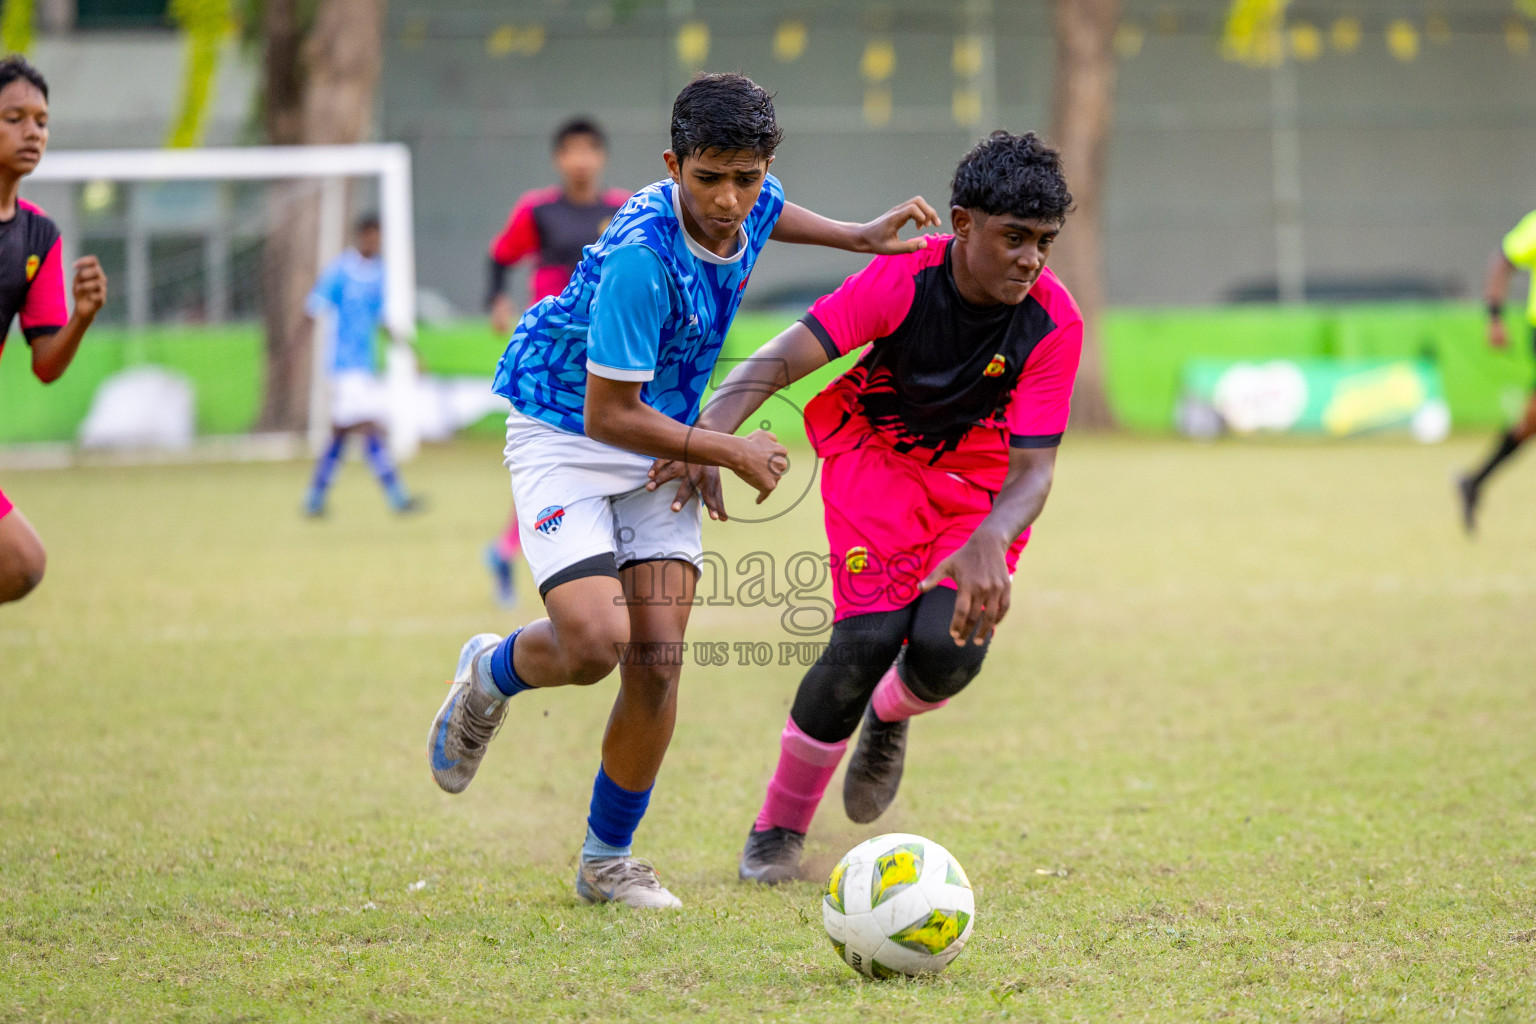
(952, 416)
(32, 289)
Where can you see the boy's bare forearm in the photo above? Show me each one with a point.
(52, 353)
(1496, 280)
(1022, 497)
(614, 417)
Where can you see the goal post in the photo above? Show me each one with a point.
(389, 164)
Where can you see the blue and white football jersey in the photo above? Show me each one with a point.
(352, 286)
(543, 372)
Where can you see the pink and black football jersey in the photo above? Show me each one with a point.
(546, 223)
(943, 381)
(31, 274)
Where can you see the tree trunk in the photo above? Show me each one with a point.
(319, 90)
(283, 82)
(344, 55)
(1082, 116)
(288, 271)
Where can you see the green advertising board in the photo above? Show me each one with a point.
(1146, 354)
(1323, 397)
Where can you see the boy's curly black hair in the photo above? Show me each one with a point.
(1017, 174)
(16, 66)
(724, 112)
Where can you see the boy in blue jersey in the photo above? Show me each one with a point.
(603, 378)
(352, 289)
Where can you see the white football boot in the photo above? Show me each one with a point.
(466, 722)
(623, 880)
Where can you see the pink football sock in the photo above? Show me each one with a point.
(893, 702)
(805, 767)
(510, 544)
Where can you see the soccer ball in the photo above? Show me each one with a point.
(898, 904)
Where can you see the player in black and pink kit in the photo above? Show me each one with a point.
(549, 226)
(32, 287)
(552, 225)
(952, 417)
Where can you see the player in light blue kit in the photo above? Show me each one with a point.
(603, 379)
(352, 289)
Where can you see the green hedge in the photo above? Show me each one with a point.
(1145, 351)
(224, 364)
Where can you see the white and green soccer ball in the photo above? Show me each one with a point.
(898, 904)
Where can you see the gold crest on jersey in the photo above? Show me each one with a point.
(996, 367)
(33, 263)
(857, 559)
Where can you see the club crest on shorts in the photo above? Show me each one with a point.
(996, 367)
(549, 520)
(33, 262)
(857, 559)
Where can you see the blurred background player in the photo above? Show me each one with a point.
(604, 378)
(32, 287)
(1517, 250)
(550, 226)
(952, 415)
(352, 289)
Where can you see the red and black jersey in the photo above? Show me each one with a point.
(547, 224)
(952, 384)
(31, 274)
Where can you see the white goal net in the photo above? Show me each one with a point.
(182, 235)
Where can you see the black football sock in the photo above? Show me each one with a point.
(1506, 447)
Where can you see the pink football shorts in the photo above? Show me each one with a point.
(5, 505)
(890, 521)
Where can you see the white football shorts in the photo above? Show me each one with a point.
(583, 510)
(358, 396)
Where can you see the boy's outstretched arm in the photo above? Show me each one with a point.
(980, 567)
(790, 355)
(800, 226)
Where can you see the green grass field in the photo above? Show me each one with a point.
(1257, 743)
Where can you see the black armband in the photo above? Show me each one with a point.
(1495, 309)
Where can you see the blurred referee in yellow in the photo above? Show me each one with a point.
(1518, 250)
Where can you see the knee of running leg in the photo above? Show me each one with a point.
(827, 721)
(23, 575)
(590, 655)
(590, 665)
(655, 684)
(34, 572)
(936, 668)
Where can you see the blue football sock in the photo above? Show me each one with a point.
(325, 468)
(384, 469)
(501, 571)
(498, 664)
(615, 814)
